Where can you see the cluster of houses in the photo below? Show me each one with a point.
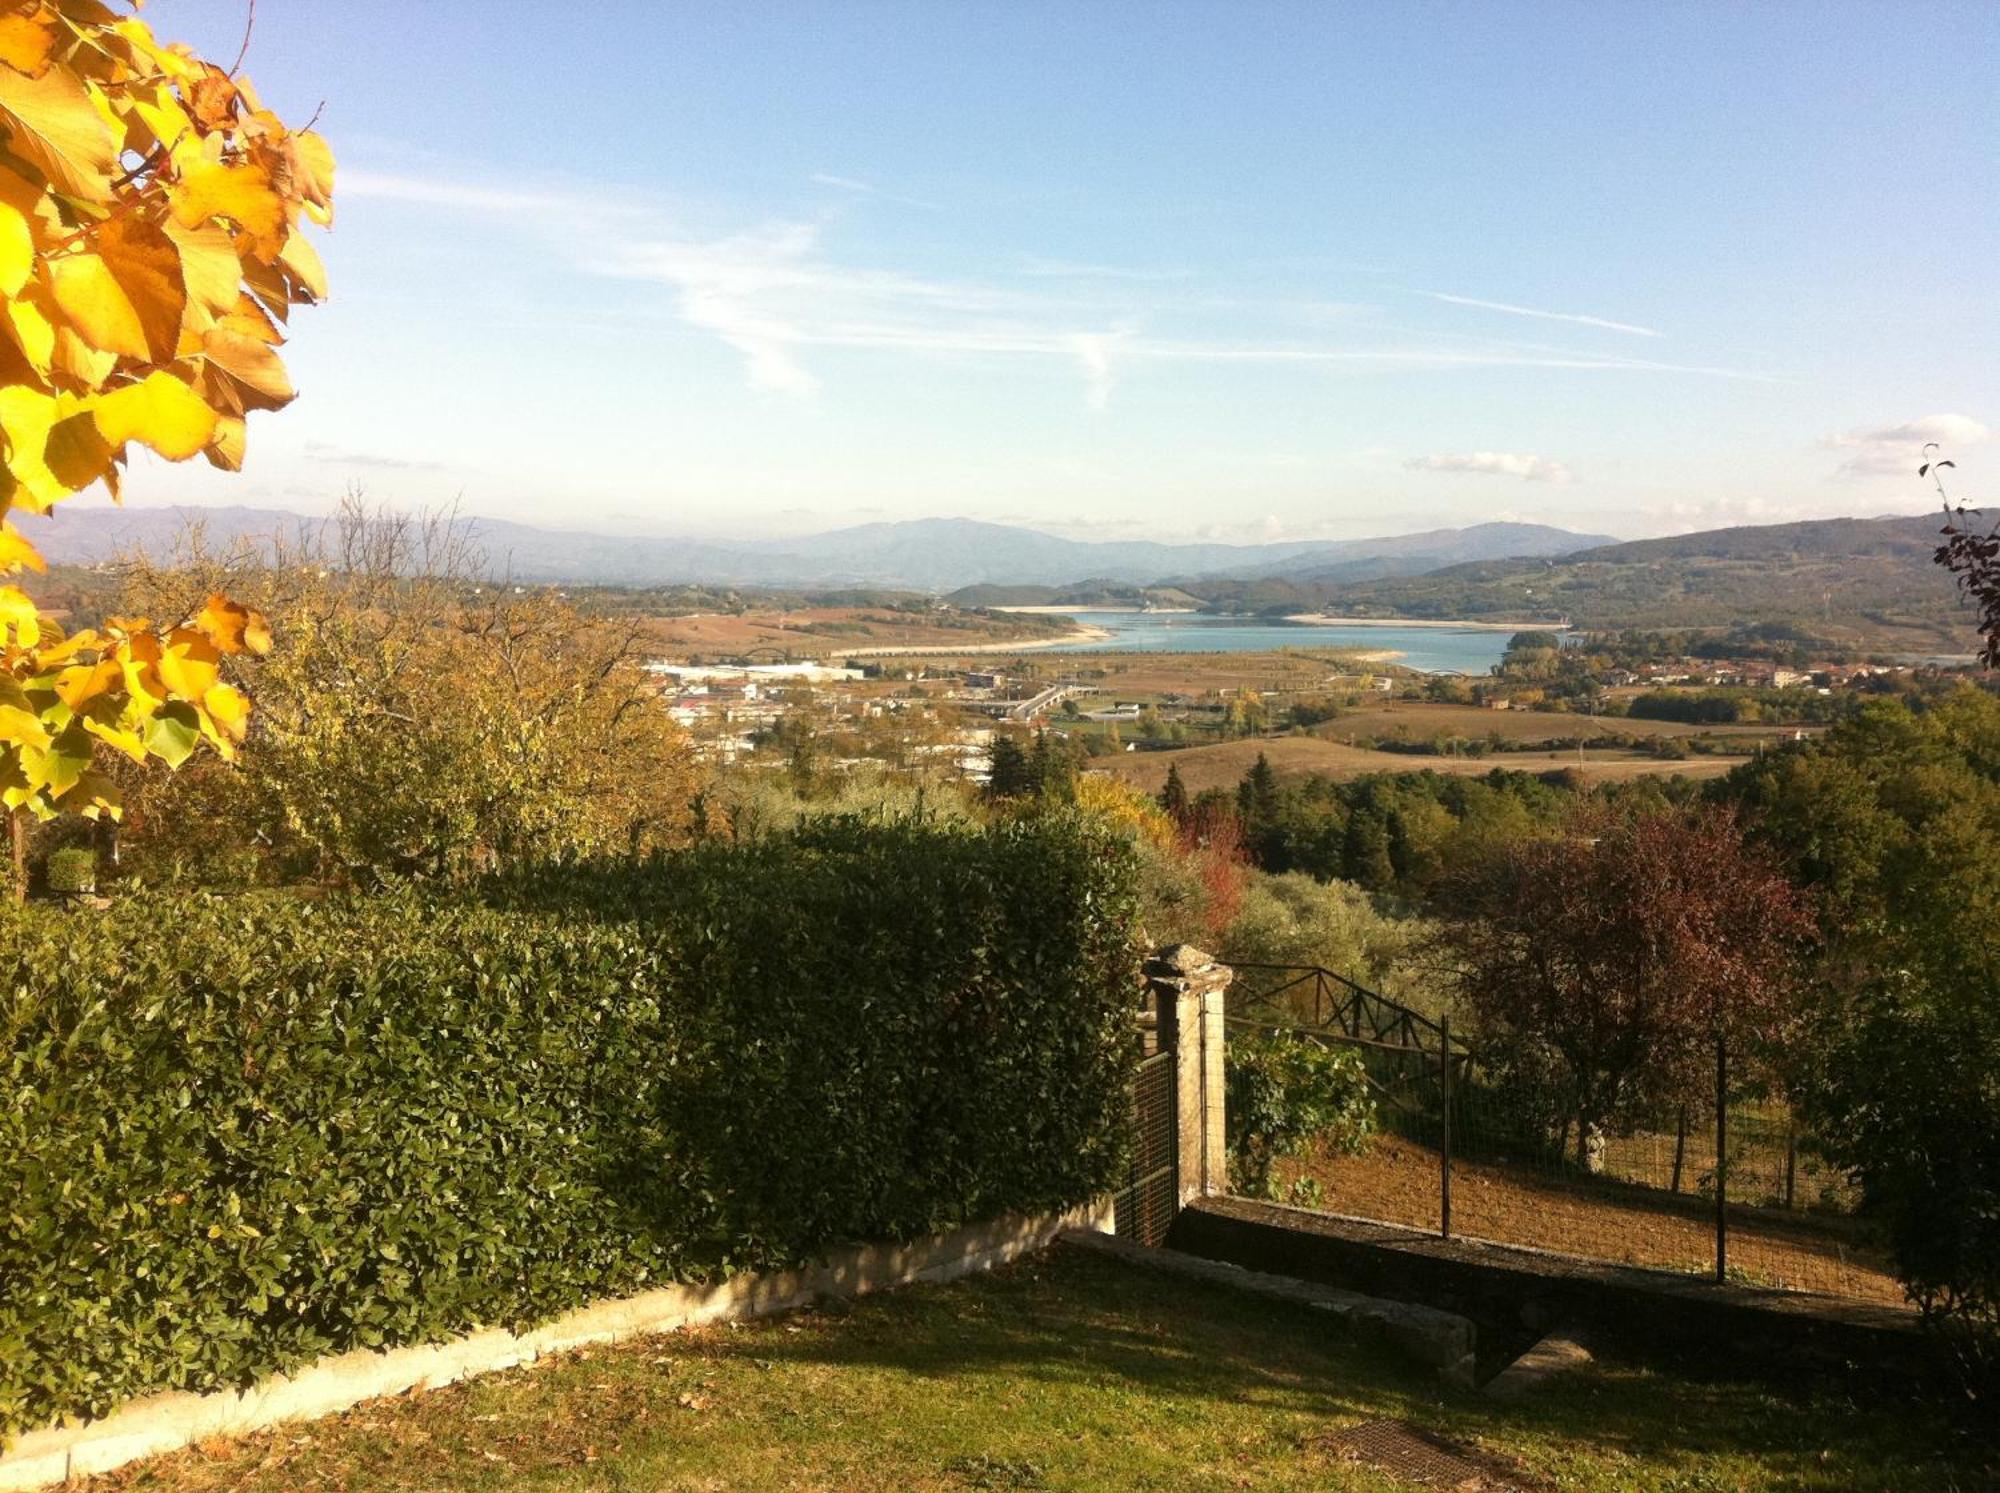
(1747, 674)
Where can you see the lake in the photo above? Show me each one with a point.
(1434, 650)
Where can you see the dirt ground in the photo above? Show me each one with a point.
(1223, 764)
(1396, 1181)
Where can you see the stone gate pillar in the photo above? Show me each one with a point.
(1187, 987)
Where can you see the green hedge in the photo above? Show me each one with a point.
(241, 1133)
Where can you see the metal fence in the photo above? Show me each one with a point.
(1144, 1205)
(1722, 1183)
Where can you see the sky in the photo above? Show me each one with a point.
(1228, 271)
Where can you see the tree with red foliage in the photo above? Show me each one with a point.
(1607, 961)
(1211, 838)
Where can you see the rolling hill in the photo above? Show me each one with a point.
(1867, 580)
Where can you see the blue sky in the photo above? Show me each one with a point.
(1229, 270)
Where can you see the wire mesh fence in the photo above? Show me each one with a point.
(1719, 1181)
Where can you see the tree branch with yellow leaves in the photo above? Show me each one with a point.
(151, 249)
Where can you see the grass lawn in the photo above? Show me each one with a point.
(1064, 1371)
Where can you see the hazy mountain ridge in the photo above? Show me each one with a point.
(943, 554)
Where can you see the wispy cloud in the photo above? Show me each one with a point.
(430, 192)
(1094, 351)
(776, 294)
(1522, 464)
(1573, 318)
(1896, 450)
(843, 183)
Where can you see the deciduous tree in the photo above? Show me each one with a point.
(1611, 958)
(151, 248)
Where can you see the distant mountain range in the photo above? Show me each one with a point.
(938, 554)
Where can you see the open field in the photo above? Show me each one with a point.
(1420, 720)
(1061, 1372)
(1223, 764)
(1396, 1181)
(821, 632)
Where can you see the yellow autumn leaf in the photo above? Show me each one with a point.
(77, 453)
(80, 684)
(252, 366)
(52, 124)
(190, 665)
(29, 328)
(26, 416)
(235, 191)
(96, 305)
(20, 623)
(17, 250)
(160, 411)
(229, 709)
(146, 264)
(313, 166)
(84, 361)
(302, 262)
(16, 553)
(225, 448)
(232, 627)
(26, 40)
(210, 269)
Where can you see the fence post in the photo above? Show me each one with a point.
(1189, 987)
(1721, 1158)
(1444, 1176)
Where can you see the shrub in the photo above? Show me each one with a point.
(1293, 919)
(1286, 1091)
(71, 870)
(266, 1128)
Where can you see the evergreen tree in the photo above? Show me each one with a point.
(1365, 857)
(1174, 794)
(1261, 796)
(1053, 767)
(1012, 774)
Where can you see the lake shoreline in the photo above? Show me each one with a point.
(1315, 619)
(1083, 634)
(1055, 611)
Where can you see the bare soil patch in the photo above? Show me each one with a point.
(1396, 1181)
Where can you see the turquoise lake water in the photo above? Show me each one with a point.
(1434, 650)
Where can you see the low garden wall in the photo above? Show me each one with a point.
(165, 1422)
(243, 1134)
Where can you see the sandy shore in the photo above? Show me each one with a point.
(1318, 621)
(945, 650)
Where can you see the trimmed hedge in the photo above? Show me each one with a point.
(241, 1133)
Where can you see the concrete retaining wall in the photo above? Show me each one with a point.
(1506, 1288)
(166, 1422)
(1439, 1340)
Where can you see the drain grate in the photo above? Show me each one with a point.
(1420, 1459)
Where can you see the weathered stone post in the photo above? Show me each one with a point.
(1187, 987)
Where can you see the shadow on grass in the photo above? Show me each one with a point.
(1069, 1320)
